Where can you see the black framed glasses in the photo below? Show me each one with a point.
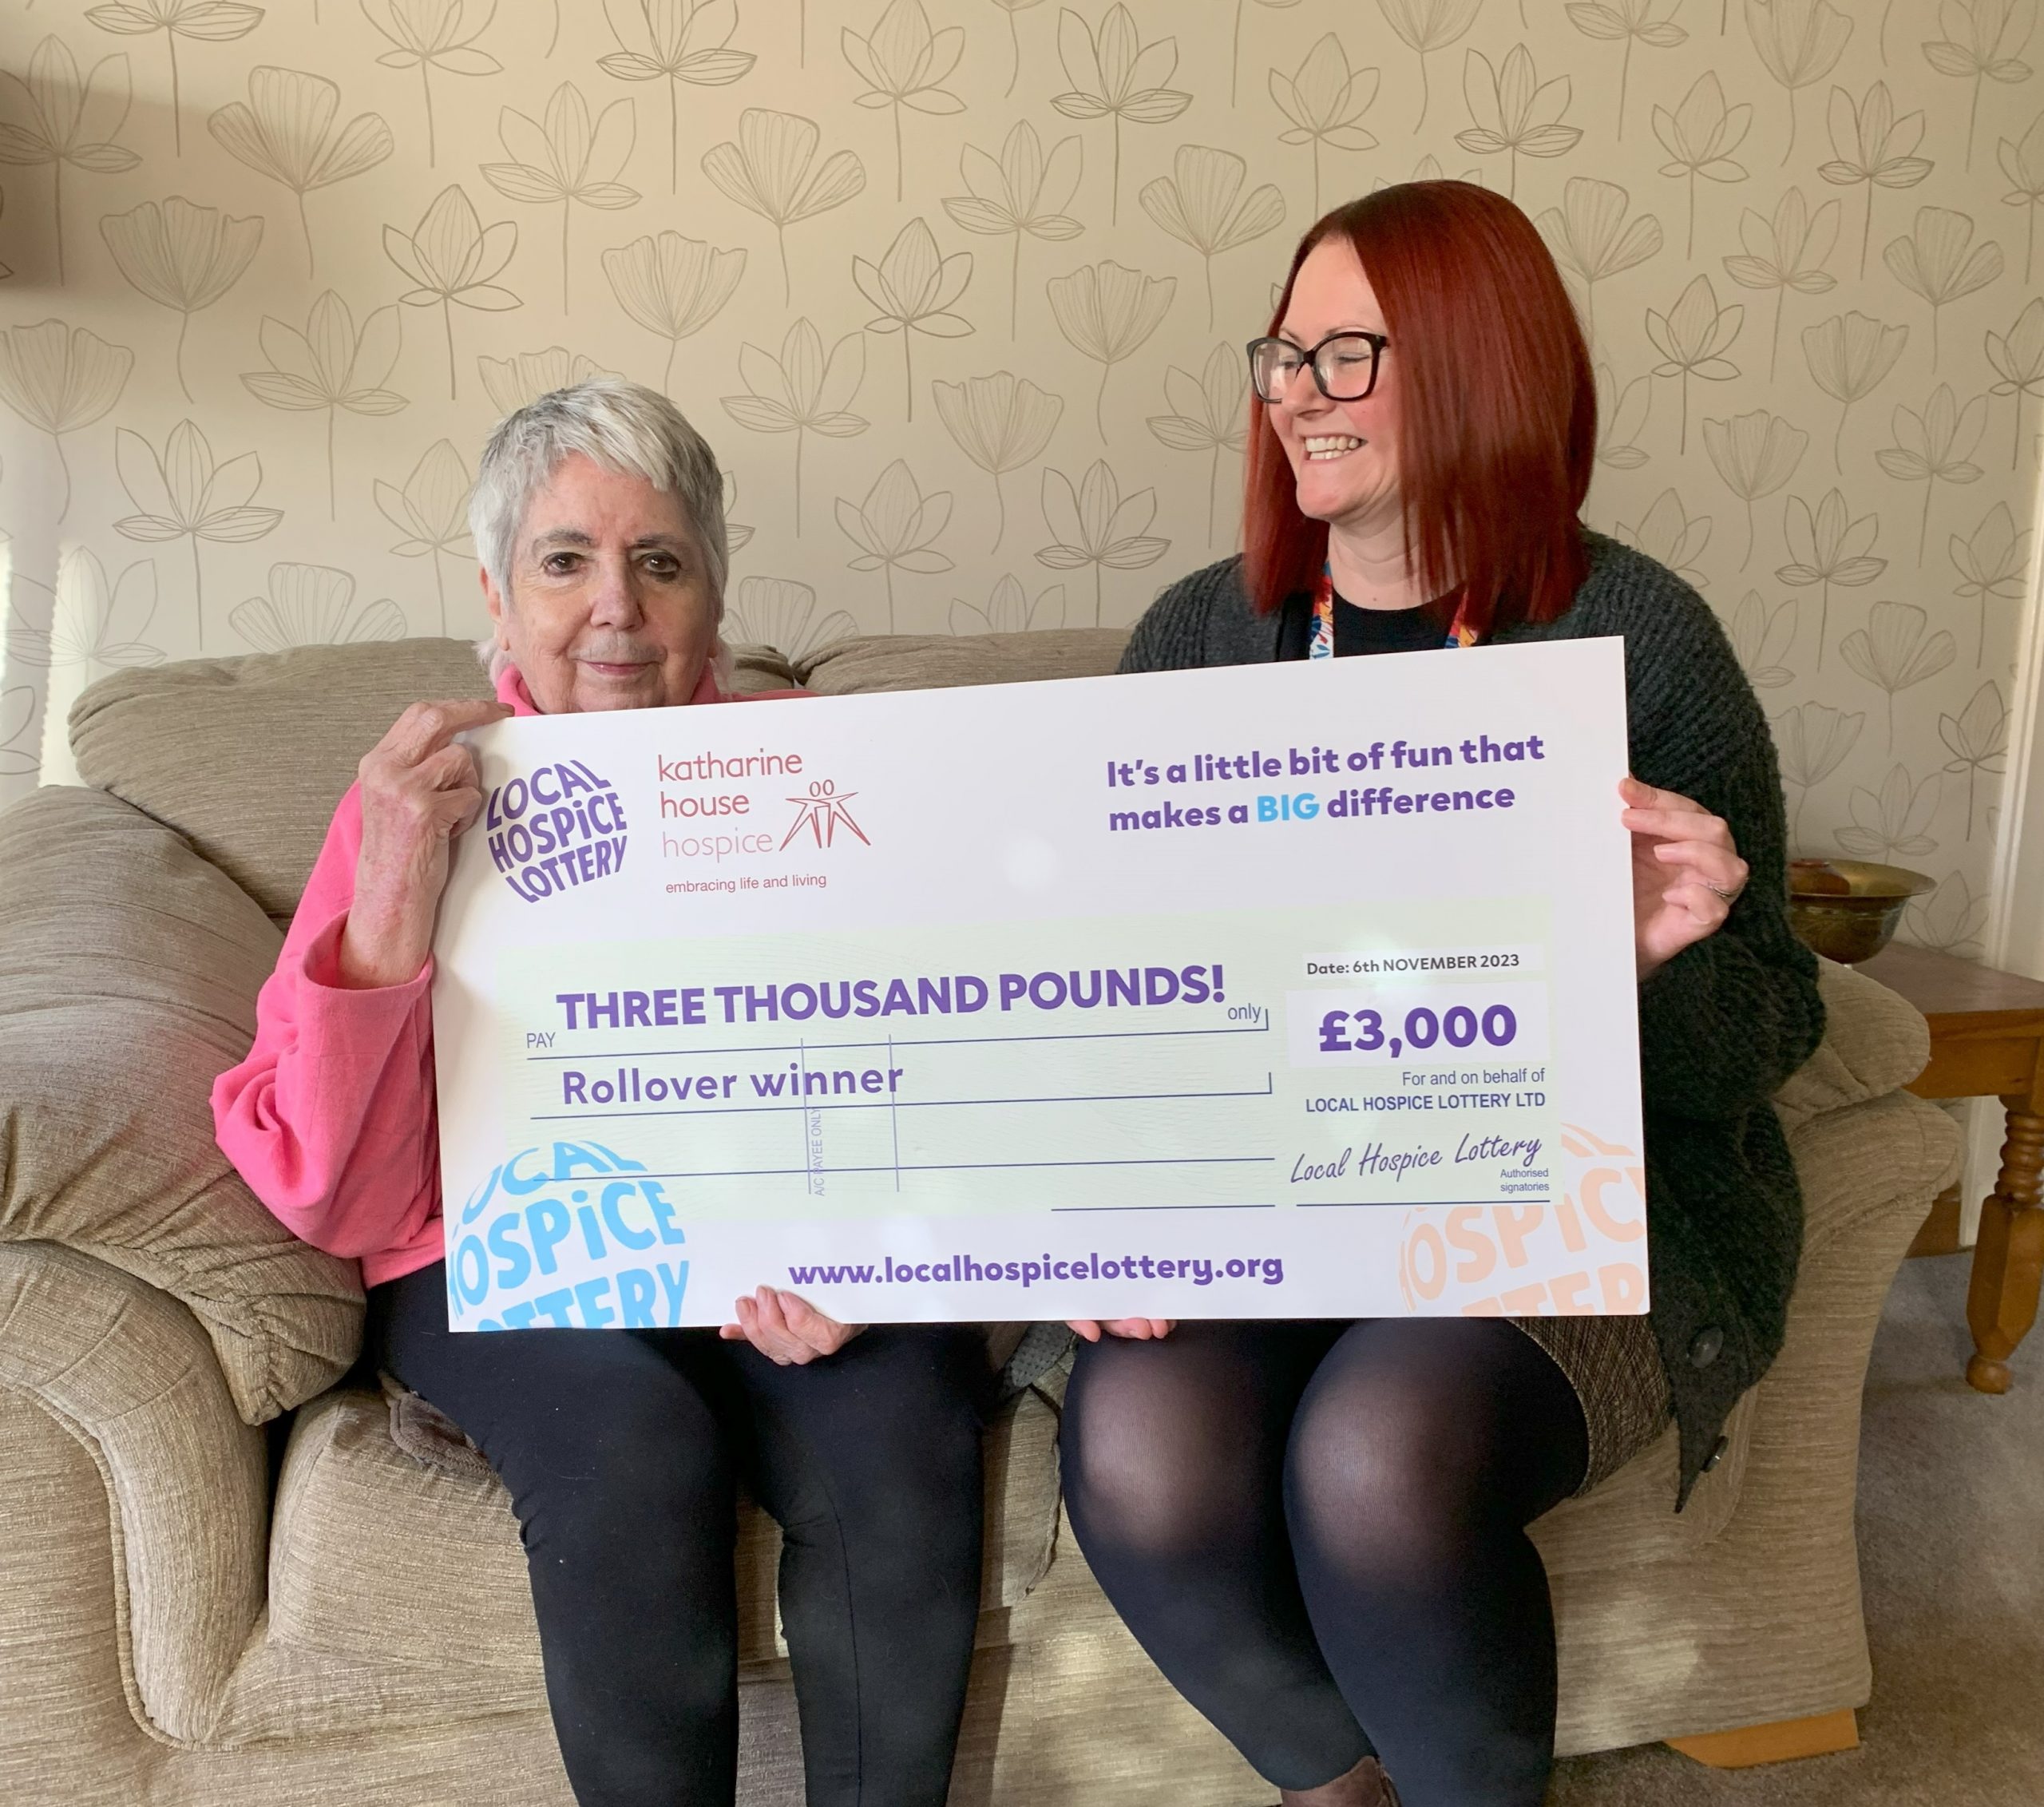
(1344, 365)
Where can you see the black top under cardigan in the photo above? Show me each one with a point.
(1722, 1025)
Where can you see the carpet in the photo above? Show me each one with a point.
(1951, 1559)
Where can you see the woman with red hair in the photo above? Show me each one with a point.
(1318, 1530)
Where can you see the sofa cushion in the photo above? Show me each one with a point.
(1873, 1042)
(377, 1556)
(870, 662)
(128, 970)
(247, 757)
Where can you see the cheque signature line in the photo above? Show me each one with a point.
(963, 1166)
(1058, 1209)
(891, 1105)
(720, 1051)
(1381, 1204)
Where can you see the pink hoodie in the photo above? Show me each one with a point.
(331, 1119)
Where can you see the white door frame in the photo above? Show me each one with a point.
(2015, 915)
(2015, 920)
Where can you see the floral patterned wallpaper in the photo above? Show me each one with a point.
(957, 288)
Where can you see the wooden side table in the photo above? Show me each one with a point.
(1987, 1042)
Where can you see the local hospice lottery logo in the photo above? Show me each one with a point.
(562, 827)
(575, 1236)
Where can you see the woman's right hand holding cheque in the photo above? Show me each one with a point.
(420, 788)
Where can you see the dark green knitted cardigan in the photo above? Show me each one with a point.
(1721, 1026)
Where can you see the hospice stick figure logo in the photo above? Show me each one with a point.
(561, 828)
(571, 1235)
(821, 812)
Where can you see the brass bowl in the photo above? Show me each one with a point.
(1846, 909)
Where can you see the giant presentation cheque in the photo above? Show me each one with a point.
(1300, 990)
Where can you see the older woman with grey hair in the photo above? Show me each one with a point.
(598, 515)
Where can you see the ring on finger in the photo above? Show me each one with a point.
(1730, 896)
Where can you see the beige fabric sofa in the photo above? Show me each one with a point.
(195, 1609)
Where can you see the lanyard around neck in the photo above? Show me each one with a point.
(1320, 643)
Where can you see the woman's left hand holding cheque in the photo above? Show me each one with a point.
(1686, 873)
(420, 788)
(786, 1328)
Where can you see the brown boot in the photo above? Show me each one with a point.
(1365, 1785)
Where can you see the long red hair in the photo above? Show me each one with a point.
(1497, 408)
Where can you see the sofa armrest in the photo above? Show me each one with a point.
(129, 971)
(128, 1372)
(1875, 1042)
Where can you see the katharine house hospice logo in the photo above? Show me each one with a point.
(749, 808)
(557, 828)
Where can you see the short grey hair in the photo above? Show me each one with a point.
(623, 426)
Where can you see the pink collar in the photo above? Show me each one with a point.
(512, 692)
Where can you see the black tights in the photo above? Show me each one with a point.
(1317, 1531)
(620, 1449)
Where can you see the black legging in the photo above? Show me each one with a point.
(1317, 1531)
(620, 1447)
